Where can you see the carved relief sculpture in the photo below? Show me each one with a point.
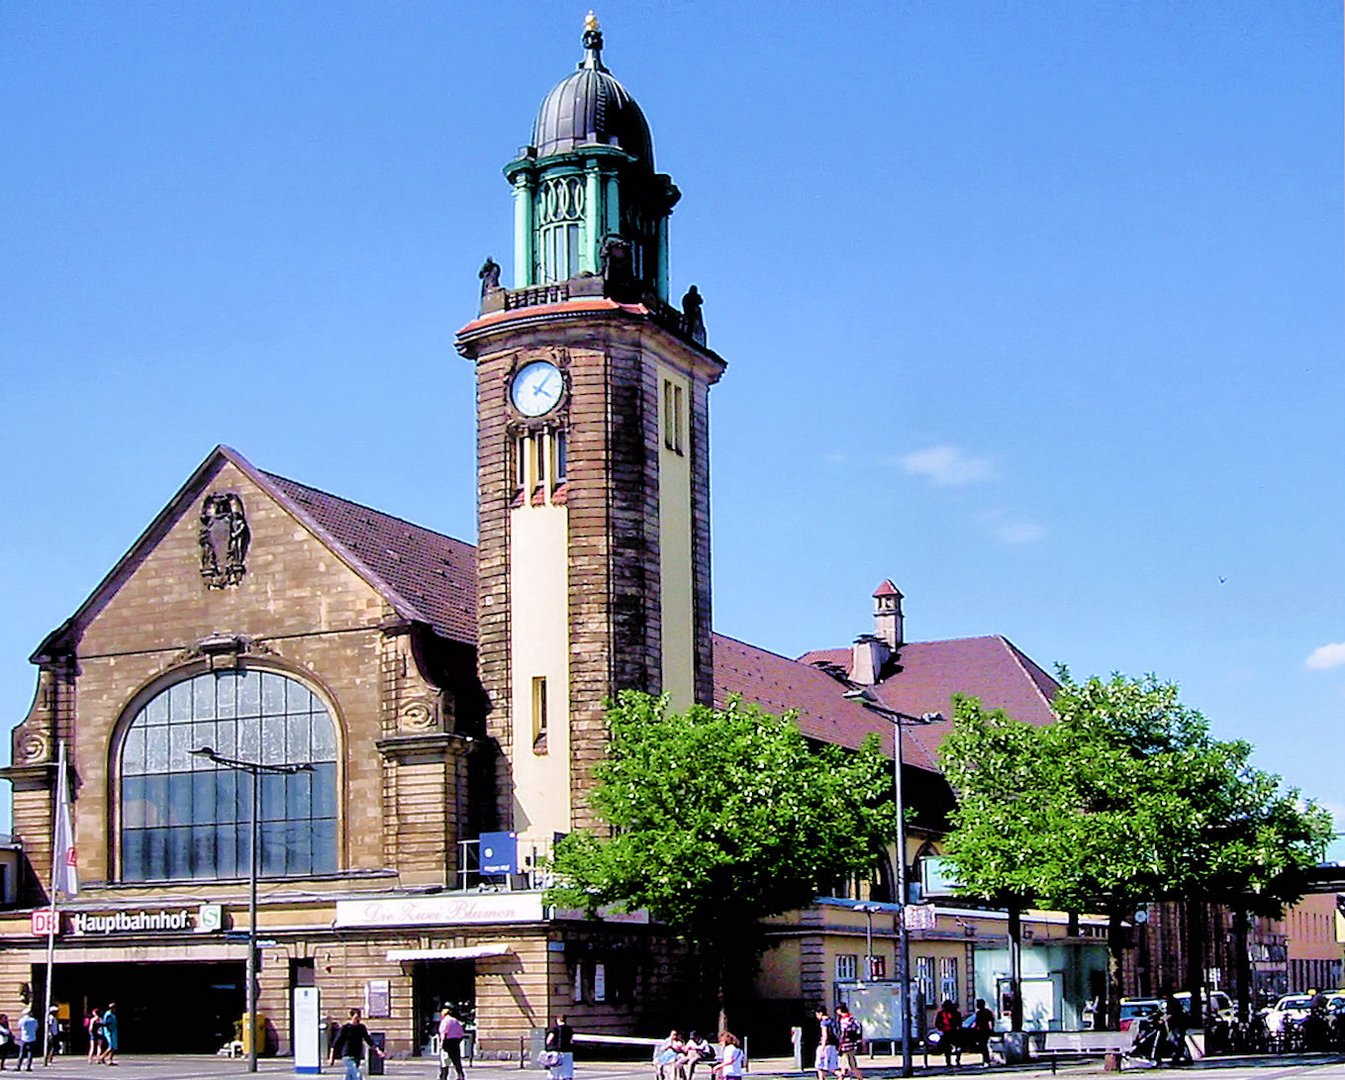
(224, 540)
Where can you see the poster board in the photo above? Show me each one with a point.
(877, 1006)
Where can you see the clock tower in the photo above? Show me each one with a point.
(592, 452)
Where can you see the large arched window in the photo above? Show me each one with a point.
(182, 816)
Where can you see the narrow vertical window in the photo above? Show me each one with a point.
(559, 464)
(674, 416)
(924, 978)
(521, 462)
(669, 441)
(539, 459)
(948, 988)
(572, 241)
(539, 714)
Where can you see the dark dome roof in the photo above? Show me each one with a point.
(590, 106)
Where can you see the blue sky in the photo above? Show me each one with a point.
(1034, 308)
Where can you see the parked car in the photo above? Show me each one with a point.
(1217, 1000)
(1291, 1008)
(1134, 1009)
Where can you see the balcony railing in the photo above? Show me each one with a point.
(529, 874)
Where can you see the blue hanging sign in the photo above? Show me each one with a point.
(499, 853)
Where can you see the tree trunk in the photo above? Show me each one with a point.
(1242, 965)
(1195, 959)
(721, 965)
(1115, 952)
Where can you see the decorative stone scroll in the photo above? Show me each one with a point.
(32, 748)
(418, 715)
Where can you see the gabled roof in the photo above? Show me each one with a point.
(426, 577)
(929, 673)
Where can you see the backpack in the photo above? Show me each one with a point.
(853, 1031)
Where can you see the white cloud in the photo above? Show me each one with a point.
(1326, 656)
(1020, 532)
(946, 466)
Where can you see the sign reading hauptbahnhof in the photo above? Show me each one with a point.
(204, 919)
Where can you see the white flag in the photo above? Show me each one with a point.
(63, 875)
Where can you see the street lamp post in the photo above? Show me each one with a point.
(255, 770)
(868, 910)
(870, 701)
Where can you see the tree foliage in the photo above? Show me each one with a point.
(719, 818)
(1126, 798)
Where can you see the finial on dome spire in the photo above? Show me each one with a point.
(592, 41)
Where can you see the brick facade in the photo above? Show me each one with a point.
(611, 357)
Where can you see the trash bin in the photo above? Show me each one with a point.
(249, 1032)
(375, 1064)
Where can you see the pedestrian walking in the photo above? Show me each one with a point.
(27, 1034)
(948, 1023)
(109, 1054)
(6, 1040)
(93, 1024)
(732, 1060)
(852, 1039)
(1173, 1038)
(982, 1027)
(349, 1045)
(827, 1059)
(560, 1041)
(53, 1035)
(451, 1034)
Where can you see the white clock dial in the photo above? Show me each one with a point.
(537, 388)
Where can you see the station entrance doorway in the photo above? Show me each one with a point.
(162, 1008)
(437, 983)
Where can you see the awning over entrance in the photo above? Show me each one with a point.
(466, 952)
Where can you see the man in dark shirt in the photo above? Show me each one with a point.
(560, 1039)
(349, 1045)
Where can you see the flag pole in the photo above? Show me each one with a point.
(58, 853)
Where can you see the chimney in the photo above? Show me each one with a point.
(887, 617)
(870, 655)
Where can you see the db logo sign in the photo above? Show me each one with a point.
(44, 923)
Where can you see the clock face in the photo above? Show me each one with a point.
(537, 388)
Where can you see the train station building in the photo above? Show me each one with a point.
(439, 700)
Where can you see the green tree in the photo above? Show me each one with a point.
(718, 819)
(1127, 798)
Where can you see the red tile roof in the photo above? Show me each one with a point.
(886, 589)
(779, 684)
(433, 573)
(437, 574)
(431, 578)
(931, 672)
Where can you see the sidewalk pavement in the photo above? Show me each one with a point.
(205, 1067)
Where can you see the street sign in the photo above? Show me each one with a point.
(919, 916)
